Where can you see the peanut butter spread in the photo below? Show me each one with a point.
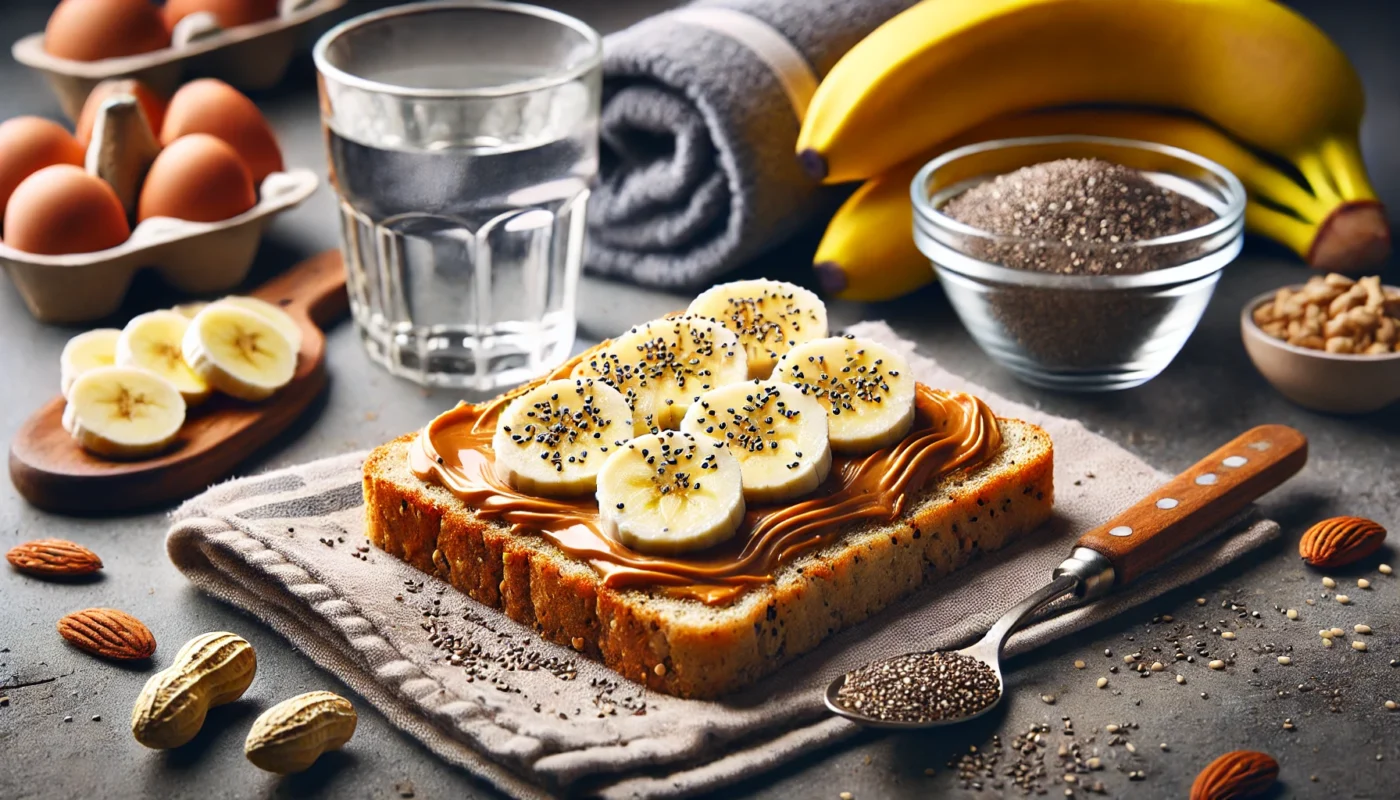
(951, 432)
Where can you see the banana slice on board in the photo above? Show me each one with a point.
(865, 387)
(769, 317)
(90, 350)
(238, 352)
(152, 342)
(553, 439)
(670, 493)
(280, 319)
(663, 365)
(190, 310)
(777, 434)
(123, 412)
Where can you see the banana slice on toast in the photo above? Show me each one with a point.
(663, 365)
(769, 317)
(778, 435)
(553, 439)
(865, 387)
(670, 493)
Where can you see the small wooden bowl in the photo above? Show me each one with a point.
(1321, 381)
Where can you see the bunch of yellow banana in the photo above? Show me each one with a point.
(1249, 84)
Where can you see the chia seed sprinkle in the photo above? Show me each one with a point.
(920, 687)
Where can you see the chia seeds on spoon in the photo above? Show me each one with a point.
(920, 687)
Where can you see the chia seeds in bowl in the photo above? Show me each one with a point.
(1078, 262)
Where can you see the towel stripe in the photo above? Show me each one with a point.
(798, 80)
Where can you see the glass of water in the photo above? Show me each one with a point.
(463, 140)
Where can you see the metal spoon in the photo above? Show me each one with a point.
(1172, 519)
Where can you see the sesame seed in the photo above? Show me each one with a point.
(1292, 613)
(1101, 682)
(1385, 569)
(1362, 583)
(1343, 599)
(1216, 664)
(1359, 646)
(1329, 583)
(1362, 629)
(1285, 660)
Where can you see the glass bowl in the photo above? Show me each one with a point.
(1072, 331)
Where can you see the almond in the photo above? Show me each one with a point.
(108, 633)
(1239, 774)
(53, 558)
(1340, 540)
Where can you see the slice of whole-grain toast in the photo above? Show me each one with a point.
(684, 647)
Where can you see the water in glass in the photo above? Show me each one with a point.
(463, 220)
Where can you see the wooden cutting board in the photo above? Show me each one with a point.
(51, 471)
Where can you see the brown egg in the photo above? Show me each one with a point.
(213, 107)
(198, 178)
(229, 13)
(90, 30)
(152, 105)
(27, 145)
(60, 210)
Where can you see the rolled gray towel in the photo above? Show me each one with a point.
(700, 118)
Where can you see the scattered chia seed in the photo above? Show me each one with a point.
(920, 687)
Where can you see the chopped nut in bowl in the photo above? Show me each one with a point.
(1332, 344)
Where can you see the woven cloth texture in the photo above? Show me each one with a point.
(570, 726)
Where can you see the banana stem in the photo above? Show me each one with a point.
(1286, 229)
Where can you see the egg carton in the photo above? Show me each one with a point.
(248, 57)
(193, 257)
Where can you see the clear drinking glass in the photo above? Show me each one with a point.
(463, 140)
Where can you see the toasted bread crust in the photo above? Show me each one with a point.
(683, 647)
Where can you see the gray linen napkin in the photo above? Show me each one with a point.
(285, 547)
(701, 109)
